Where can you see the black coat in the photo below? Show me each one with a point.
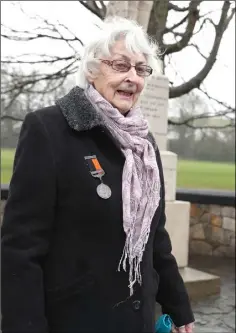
(61, 242)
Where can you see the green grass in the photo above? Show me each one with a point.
(7, 156)
(191, 174)
(206, 175)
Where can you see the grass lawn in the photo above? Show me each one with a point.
(208, 175)
(191, 174)
(7, 156)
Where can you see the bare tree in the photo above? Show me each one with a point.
(15, 104)
(158, 29)
(152, 14)
(193, 111)
(198, 140)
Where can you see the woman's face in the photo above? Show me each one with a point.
(121, 89)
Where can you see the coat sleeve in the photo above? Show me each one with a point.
(26, 229)
(172, 294)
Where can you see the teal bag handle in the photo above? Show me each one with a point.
(163, 324)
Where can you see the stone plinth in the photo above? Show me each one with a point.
(200, 284)
(177, 225)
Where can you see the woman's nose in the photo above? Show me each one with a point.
(132, 75)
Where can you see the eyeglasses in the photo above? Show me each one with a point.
(124, 66)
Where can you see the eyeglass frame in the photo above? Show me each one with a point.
(110, 63)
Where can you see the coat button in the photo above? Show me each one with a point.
(136, 305)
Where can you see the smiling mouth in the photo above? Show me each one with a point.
(125, 93)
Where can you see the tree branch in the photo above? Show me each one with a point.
(225, 105)
(207, 19)
(198, 50)
(13, 98)
(103, 7)
(93, 7)
(189, 122)
(193, 16)
(196, 81)
(200, 127)
(53, 32)
(47, 89)
(11, 118)
(176, 25)
(28, 80)
(9, 60)
(171, 6)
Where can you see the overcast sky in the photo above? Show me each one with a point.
(220, 83)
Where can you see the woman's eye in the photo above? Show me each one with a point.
(140, 69)
(122, 66)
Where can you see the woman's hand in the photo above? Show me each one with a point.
(183, 329)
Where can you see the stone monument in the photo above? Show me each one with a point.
(154, 103)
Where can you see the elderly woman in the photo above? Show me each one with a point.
(84, 245)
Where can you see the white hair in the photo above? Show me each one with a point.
(112, 30)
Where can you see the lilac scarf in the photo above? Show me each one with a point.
(140, 179)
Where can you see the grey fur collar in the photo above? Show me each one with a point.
(80, 113)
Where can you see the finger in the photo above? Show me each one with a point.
(189, 328)
(174, 329)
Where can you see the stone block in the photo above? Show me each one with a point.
(229, 223)
(2, 206)
(169, 162)
(216, 220)
(217, 236)
(177, 225)
(161, 140)
(197, 231)
(200, 247)
(205, 208)
(232, 246)
(233, 212)
(193, 220)
(232, 242)
(228, 212)
(154, 104)
(205, 218)
(200, 285)
(196, 211)
(228, 235)
(224, 251)
(216, 210)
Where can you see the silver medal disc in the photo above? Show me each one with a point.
(103, 191)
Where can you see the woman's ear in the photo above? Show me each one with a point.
(90, 79)
(91, 76)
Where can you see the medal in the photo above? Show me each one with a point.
(103, 191)
(96, 171)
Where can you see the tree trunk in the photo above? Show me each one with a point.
(144, 12)
(134, 10)
(118, 8)
(157, 22)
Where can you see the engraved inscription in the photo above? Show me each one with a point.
(154, 105)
